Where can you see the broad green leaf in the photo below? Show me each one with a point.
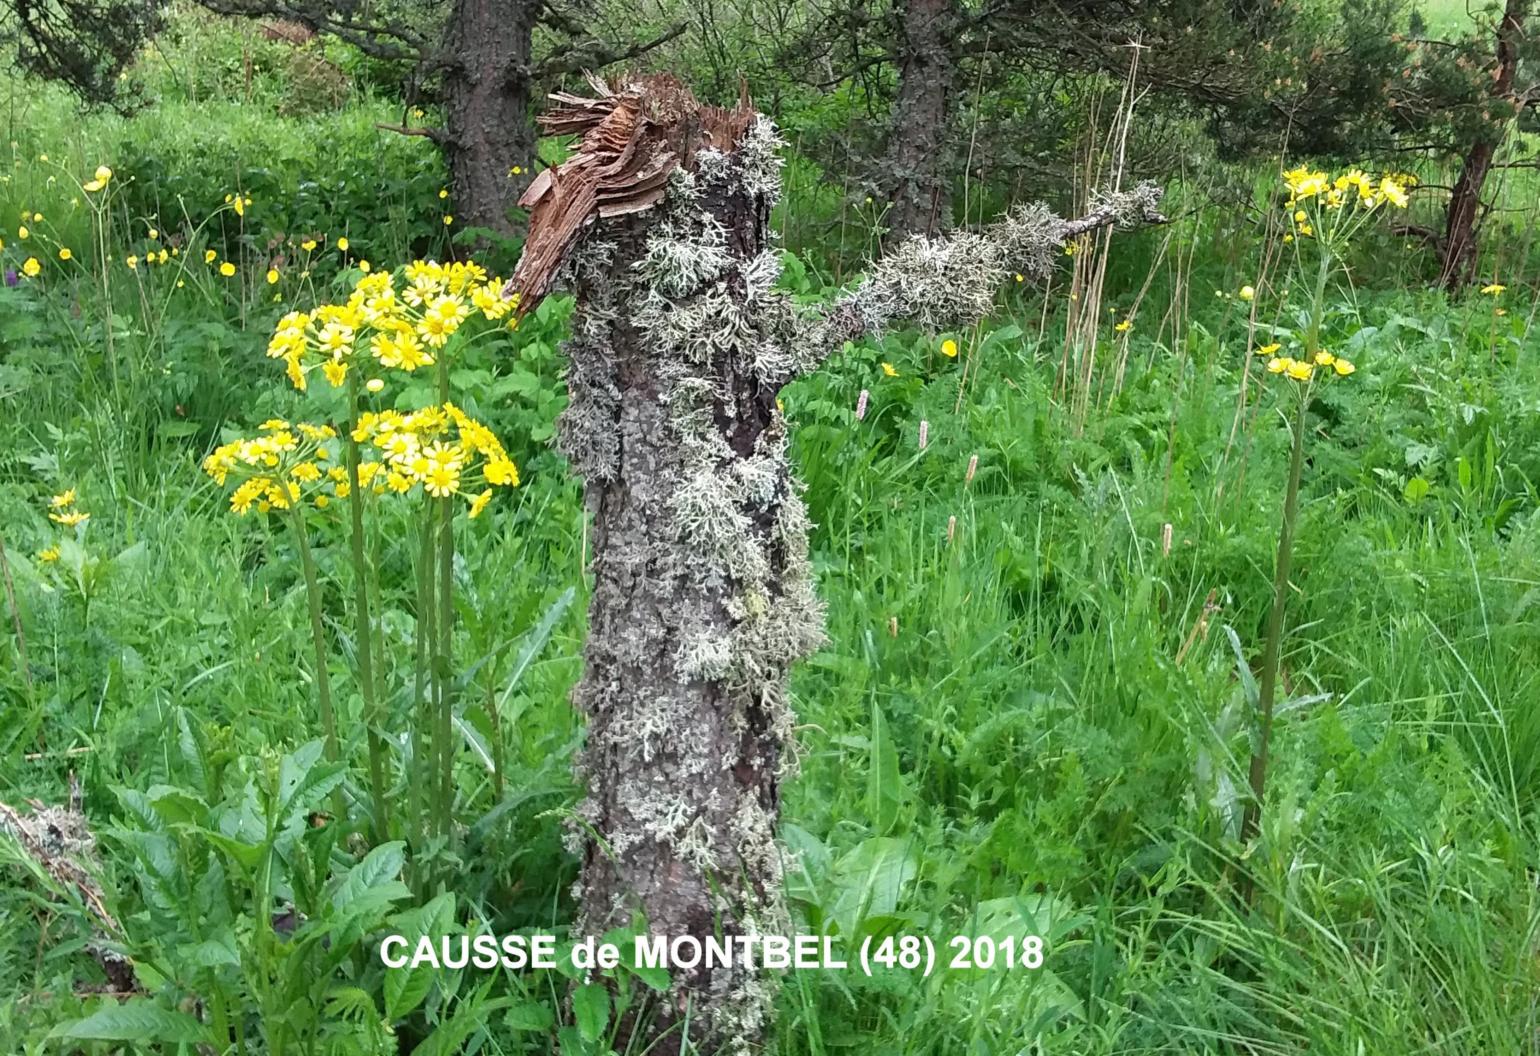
(139, 1020)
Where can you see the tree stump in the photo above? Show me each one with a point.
(703, 596)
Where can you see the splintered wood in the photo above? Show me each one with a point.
(634, 134)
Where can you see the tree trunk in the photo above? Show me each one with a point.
(703, 596)
(1460, 246)
(487, 97)
(915, 173)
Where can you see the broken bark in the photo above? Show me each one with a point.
(703, 595)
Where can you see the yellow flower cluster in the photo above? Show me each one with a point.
(1354, 185)
(274, 468)
(62, 510)
(402, 326)
(440, 448)
(1304, 369)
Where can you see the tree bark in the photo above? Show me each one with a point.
(1460, 245)
(487, 98)
(916, 175)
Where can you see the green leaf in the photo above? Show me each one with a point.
(138, 1020)
(530, 1015)
(884, 784)
(379, 868)
(591, 1010)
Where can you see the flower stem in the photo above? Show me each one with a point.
(373, 720)
(422, 700)
(323, 689)
(442, 662)
(1268, 684)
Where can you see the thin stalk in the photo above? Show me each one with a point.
(422, 701)
(441, 661)
(1268, 684)
(365, 646)
(323, 689)
(443, 652)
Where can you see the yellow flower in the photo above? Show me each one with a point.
(502, 472)
(154, 234)
(227, 269)
(364, 266)
(1306, 230)
(1300, 371)
(374, 384)
(1305, 183)
(443, 192)
(335, 372)
(1393, 192)
(162, 257)
(888, 369)
(47, 554)
(240, 205)
(1324, 358)
(1267, 350)
(479, 503)
(272, 276)
(1247, 293)
(448, 220)
(63, 500)
(308, 245)
(949, 348)
(342, 244)
(209, 256)
(1125, 326)
(441, 480)
(31, 268)
(1020, 277)
(103, 173)
(92, 186)
(1278, 366)
(1342, 366)
(64, 253)
(132, 262)
(22, 232)
(69, 519)
(1494, 289)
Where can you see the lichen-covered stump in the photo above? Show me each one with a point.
(702, 596)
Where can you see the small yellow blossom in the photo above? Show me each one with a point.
(209, 256)
(335, 372)
(308, 245)
(272, 276)
(64, 253)
(227, 269)
(1125, 326)
(1267, 350)
(1324, 358)
(132, 261)
(448, 220)
(1494, 289)
(1300, 370)
(443, 192)
(949, 348)
(31, 268)
(69, 518)
(103, 173)
(63, 500)
(479, 503)
(48, 554)
(374, 384)
(1278, 366)
(22, 232)
(889, 370)
(1342, 366)
(1247, 293)
(342, 244)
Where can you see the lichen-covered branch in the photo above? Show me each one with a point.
(952, 282)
